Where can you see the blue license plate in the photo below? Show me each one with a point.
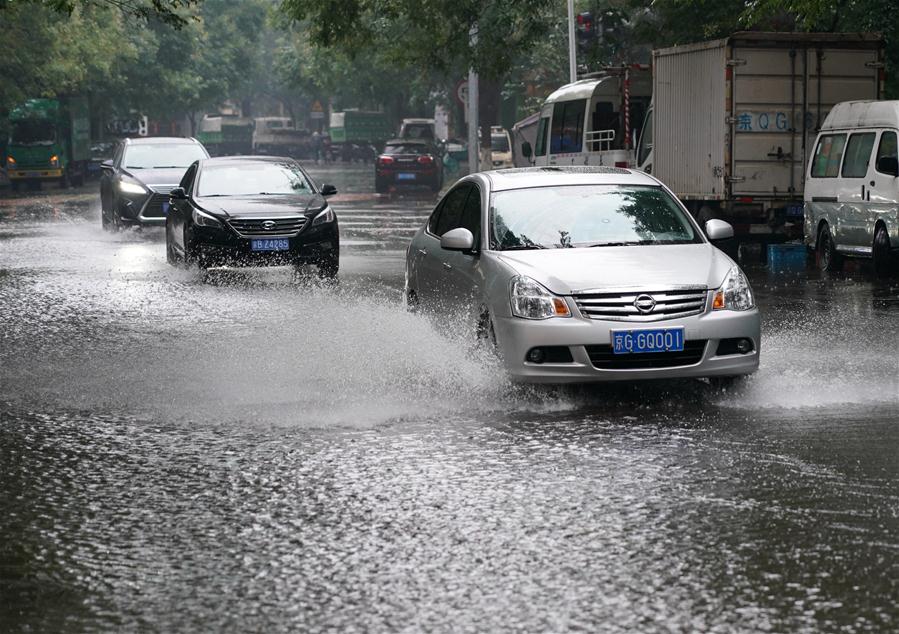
(270, 244)
(650, 340)
(405, 176)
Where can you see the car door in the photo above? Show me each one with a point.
(883, 188)
(432, 266)
(823, 184)
(108, 181)
(854, 192)
(463, 287)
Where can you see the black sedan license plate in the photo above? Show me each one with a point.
(270, 244)
(648, 340)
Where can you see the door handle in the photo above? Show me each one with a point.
(447, 266)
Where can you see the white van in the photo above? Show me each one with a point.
(594, 121)
(852, 191)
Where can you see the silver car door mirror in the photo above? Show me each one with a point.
(718, 230)
(459, 239)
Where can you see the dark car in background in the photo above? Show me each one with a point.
(135, 184)
(251, 211)
(408, 162)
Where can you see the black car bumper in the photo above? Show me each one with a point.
(222, 247)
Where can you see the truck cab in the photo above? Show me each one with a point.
(594, 121)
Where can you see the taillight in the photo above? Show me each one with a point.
(385, 160)
(425, 160)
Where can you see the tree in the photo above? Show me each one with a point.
(430, 39)
(171, 12)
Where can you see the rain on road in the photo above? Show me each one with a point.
(250, 451)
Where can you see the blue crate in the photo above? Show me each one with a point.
(786, 257)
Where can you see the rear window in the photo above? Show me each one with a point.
(828, 154)
(499, 142)
(858, 155)
(408, 148)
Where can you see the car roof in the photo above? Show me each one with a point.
(149, 140)
(415, 141)
(526, 177)
(231, 160)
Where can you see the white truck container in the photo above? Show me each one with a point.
(733, 121)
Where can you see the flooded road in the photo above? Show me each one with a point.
(252, 451)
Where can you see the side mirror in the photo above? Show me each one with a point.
(888, 165)
(328, 190)
(718, 230)
(526, 150)
(459, 239)
(178, 194)
(106, 165)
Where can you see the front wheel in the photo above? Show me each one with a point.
(381, 186)
(329, 265)
(884, 262)
(826, 254)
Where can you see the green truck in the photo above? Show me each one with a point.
(358, 126)
(49, 140)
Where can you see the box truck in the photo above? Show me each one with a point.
(733, 121)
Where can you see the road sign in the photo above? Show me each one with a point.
(462, 92)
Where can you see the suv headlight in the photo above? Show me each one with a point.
(202, 219)
(530, 300)
(735, 293)
(130, 187)
(325, 216)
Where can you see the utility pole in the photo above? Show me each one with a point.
(572, 52)
(473, 106)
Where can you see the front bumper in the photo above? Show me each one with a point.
(222, 247)
(515, 337)
(31, 174)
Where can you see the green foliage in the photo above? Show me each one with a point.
(171, 12)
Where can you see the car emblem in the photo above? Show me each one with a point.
(268, 225)
(645, 303)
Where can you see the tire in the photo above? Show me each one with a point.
(105, 222)
(826, 255)
(171, 256)
(15, 185)
(884, 262)
(328, 266)
(380, 186)
(410, 301)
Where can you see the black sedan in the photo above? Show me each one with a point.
(408, 162)
(251, 211)
(135, 184)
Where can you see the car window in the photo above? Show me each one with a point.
(572, 216)
(188, 178)
(471, 213)
(858, 155)
(451, 214)
(162, 155)
(258, 178)
(568, 126)
(499, 142)
(828, 154)
(540, 148)
(887, 147)
(408, 148)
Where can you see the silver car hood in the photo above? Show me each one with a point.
(568, 271)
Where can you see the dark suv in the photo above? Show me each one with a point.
(135, 185)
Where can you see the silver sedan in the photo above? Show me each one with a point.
(585, 274)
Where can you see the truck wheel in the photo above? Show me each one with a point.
(826, 252)
(883, 257)
(65, 181)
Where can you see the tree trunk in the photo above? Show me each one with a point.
(490, 94)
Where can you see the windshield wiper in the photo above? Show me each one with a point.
(523, 247)
(167, 167)
(612, 244)
(214, 195)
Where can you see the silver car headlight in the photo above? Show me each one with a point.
(735, 293)
(130, 187)
(325, 216)
(202, 219)
(530, 300)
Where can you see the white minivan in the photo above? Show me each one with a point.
(852, 190)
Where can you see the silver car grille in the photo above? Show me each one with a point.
(268, 227)
(653, 305)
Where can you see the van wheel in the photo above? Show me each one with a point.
(826, 252)
(883, 258)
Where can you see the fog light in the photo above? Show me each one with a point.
(536, 355)
(744, 346)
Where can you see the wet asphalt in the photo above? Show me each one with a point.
(251, 450)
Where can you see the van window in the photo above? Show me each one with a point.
(887, 147)
(568, 126)
(826, 163)
(540, 149)
(858, 155)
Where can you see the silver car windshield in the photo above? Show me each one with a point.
(252, 179)
(579, 216)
